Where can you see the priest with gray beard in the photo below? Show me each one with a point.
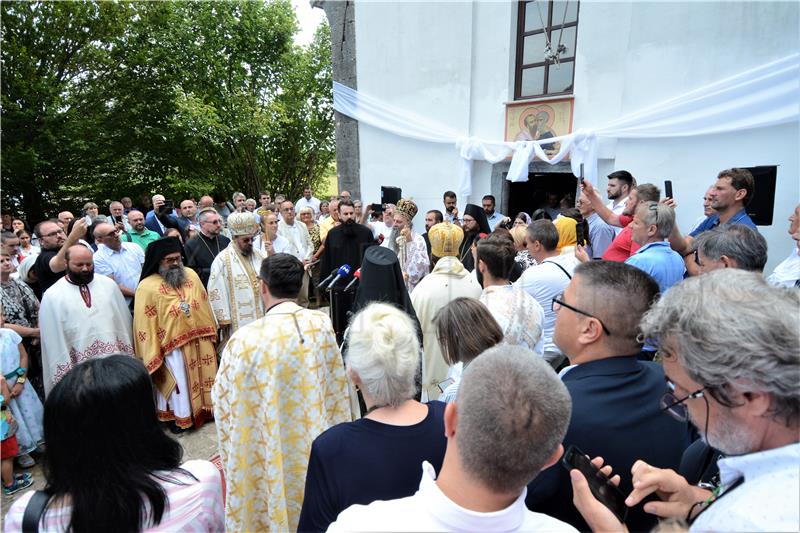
(175, 334)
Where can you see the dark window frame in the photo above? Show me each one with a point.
(549, 29)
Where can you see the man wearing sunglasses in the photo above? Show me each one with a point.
(615, 396)
(731, 355)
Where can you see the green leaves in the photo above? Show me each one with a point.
(108, 99)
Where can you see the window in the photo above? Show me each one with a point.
(540, 22)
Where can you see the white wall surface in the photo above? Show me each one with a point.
(453, 63)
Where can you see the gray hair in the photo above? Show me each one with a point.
(237, 195)
(729, 330)
(545, 232)
(383, 349)
(304, 210)
(741, 243)
(513, 412)
(659, 215)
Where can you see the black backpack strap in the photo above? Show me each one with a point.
(564, 270)
(34, 511)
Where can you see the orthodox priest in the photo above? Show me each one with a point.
(346, 242)
(82, 316)
(448, 280)
(281, 383)
(409, 246)
(175, 332)
(233, 283)
(475, 225)
(206, 245)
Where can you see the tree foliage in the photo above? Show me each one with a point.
(108, 99)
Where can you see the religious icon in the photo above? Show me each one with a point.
(534, 121)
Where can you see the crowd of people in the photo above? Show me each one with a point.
(471, 355)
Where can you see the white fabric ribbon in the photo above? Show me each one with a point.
(764, 96)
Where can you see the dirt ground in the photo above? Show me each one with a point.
(197, 444)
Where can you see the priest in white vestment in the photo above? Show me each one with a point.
(409, 246)
(281, 382)
(233, 282)
(448, 281)
(82, 316)
(299, 245)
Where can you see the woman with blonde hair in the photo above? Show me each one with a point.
(379, 456)
(523, 258)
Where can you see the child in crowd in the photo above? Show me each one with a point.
(9, 448)
(22, 400)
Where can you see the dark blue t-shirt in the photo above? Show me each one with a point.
(364, 461)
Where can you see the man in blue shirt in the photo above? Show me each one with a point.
(729, 196)
(652, 223)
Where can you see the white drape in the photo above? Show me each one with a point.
(766, 95)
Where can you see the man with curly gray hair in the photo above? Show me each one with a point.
(731, 353)
(505, 427)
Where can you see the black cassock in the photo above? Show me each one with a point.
(345, 244)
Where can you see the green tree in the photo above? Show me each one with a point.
(104, 99)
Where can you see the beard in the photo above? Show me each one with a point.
(81, 278)
(173, 275)
(349, 227)
(729, 436)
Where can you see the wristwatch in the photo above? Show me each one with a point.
(21, 380)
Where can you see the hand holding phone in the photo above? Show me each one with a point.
(600, 485)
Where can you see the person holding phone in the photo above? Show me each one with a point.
(615, 396)
(732, 365)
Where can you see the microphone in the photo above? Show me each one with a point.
(356, 277)
(343, 271)
(326, 280)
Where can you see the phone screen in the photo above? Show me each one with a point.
(668, 188)
(602, 489)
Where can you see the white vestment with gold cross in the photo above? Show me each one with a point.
(281, 383)
(233, 288)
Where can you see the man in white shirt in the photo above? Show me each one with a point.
(308, 201)
(508, 399)
(547, 279)
(120, 261)
(299, 244)
(619, 187)
(732, 362)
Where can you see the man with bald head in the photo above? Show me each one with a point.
(51, 263)
(161, 218)
(120, 261)
(139, 234)
(82, 316)
(64, 218)
(205, 202)
(332, 221)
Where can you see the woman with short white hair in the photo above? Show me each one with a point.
(377, 457)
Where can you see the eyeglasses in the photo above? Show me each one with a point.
(697, 259)
(675, 406)
(53, 233)
(215, 222)
(654, 208)
(558, 303)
